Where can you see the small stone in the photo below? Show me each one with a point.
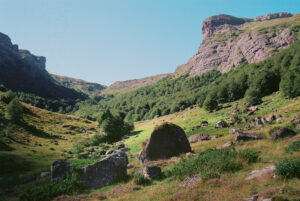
(227, 145)
(282, 132)
(279, 120)
(152, 172)
(248, 136)
(45, 174)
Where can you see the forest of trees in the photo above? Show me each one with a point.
(172, 94)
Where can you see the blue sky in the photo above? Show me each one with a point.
(113, 40)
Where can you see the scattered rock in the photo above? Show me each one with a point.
(81, 130)
(45, 174)
(227, 145)
(190, 181)
(244, 119)
(151, 172)
(257, 121)
(104, 172)
(60, 170)
(198, 138)
(214, 137)
(253, 198)
(51, 149)
(296, 118)
(221, 124)
(282, 132)
(108, 152)
(204, 124)
(279, 120)
(91, 129)
(258, 173)
(248, 136)
(166, 140)
(69, 152)
(253, 108)
(120, 146)
(235, 130)
(270, 118)
(190, 154)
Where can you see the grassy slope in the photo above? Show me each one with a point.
(229, 186)
(42, 127)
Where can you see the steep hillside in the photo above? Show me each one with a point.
(22, 71)
(43, 136)
(85, 87)
(229, 41)
(130, 85)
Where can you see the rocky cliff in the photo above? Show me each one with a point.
(228, 41)
(22, 71)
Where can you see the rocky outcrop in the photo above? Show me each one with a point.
(198, 138)
(166, 140)
(228, 41)
(248, 136)
(60, 170)
(152, 172)
(104, 172)
(282, 132)
(22, 71)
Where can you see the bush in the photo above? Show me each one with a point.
(139, 179)
(114, 127)
(288, 168)
(210, 103)
(212, 163)
(290, 82)
(7, 97)
(48, 191)
(14, 111)
(295, 146)
(253, 97)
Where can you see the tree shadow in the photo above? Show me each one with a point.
(135, 133)
(5, 147)
(38, 133)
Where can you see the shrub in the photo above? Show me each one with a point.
(290, 82)
(253, 97)
(210, 103)
(212, 163)
(288, 168)
(7, 97)
(139, 179)
(48, 191)
(295, 146)
(14, 111)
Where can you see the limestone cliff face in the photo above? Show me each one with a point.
(228, 41)
(22, 71)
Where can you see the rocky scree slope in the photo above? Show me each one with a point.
(229, 41)
(22, 71)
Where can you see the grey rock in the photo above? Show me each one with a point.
(248, 136)
(279, 120)
(60, 170)
(227, 145)
(270, 118)
(296, 118)
(105, 172)
(81, 130)
(221, 124)
(198, 138)
(235, 130)
(253, 198)
(45, 174)
(282, 132)
(152, 172)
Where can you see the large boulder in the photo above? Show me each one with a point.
(152, 172)
(198, 138)
(105, 172)
(282, 132)
(166, 140)
(60, 170)
(248, 136)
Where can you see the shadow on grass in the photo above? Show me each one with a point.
(37, 132)
(5, 147)
(135, 133)
(12, 164)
